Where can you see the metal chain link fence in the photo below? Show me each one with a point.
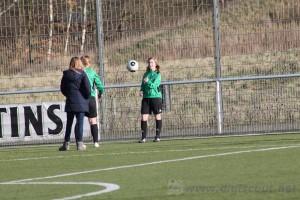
(228, 66)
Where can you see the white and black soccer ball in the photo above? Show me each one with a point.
(132, 65)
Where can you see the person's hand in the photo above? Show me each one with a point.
(99, 97)
(141, 94)
(146, 80)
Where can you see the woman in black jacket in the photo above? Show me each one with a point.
(76, 88)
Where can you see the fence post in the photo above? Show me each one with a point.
(166, 97)
(219, 102)
(100, 58)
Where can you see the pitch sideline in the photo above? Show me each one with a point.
(140, 152)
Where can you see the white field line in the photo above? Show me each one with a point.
(111, 187)
(134, 152)
(108, 187)
(153, 163)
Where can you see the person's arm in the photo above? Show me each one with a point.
(142, 88)
(98, 83)
(63, 86)
(154, 83)
(86, 86)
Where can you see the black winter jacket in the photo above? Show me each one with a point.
(75, 86)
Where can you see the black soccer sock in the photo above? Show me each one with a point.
(158, 128)
(144, 129)
(94, 131)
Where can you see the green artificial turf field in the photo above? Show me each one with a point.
(248, 167)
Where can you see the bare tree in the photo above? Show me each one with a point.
(8, 8)
(28, 23)
(69, 25)
(84, 26)
(50, 28)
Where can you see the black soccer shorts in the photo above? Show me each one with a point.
(151, 105)
(92, 108)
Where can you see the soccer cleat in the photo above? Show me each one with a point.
(156, 140)
(81, 146)
(65, 147)
(96, 144)
(142, 141)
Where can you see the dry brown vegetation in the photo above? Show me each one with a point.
(171, 30)
(257, 37)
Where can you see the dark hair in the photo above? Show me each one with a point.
(157, 66)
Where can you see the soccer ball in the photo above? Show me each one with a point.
(132, 65)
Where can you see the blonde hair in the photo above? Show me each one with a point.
(157, 66)
(75, 63)
(86, 60)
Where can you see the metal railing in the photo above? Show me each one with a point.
(229, 67)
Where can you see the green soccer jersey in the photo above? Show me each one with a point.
(151, 88)
(94, 81)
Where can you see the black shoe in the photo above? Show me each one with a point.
(143, 140)
(65, 147)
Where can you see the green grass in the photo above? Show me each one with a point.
(248, 167)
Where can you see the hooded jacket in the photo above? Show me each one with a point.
(75, 86)
(151, 88)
